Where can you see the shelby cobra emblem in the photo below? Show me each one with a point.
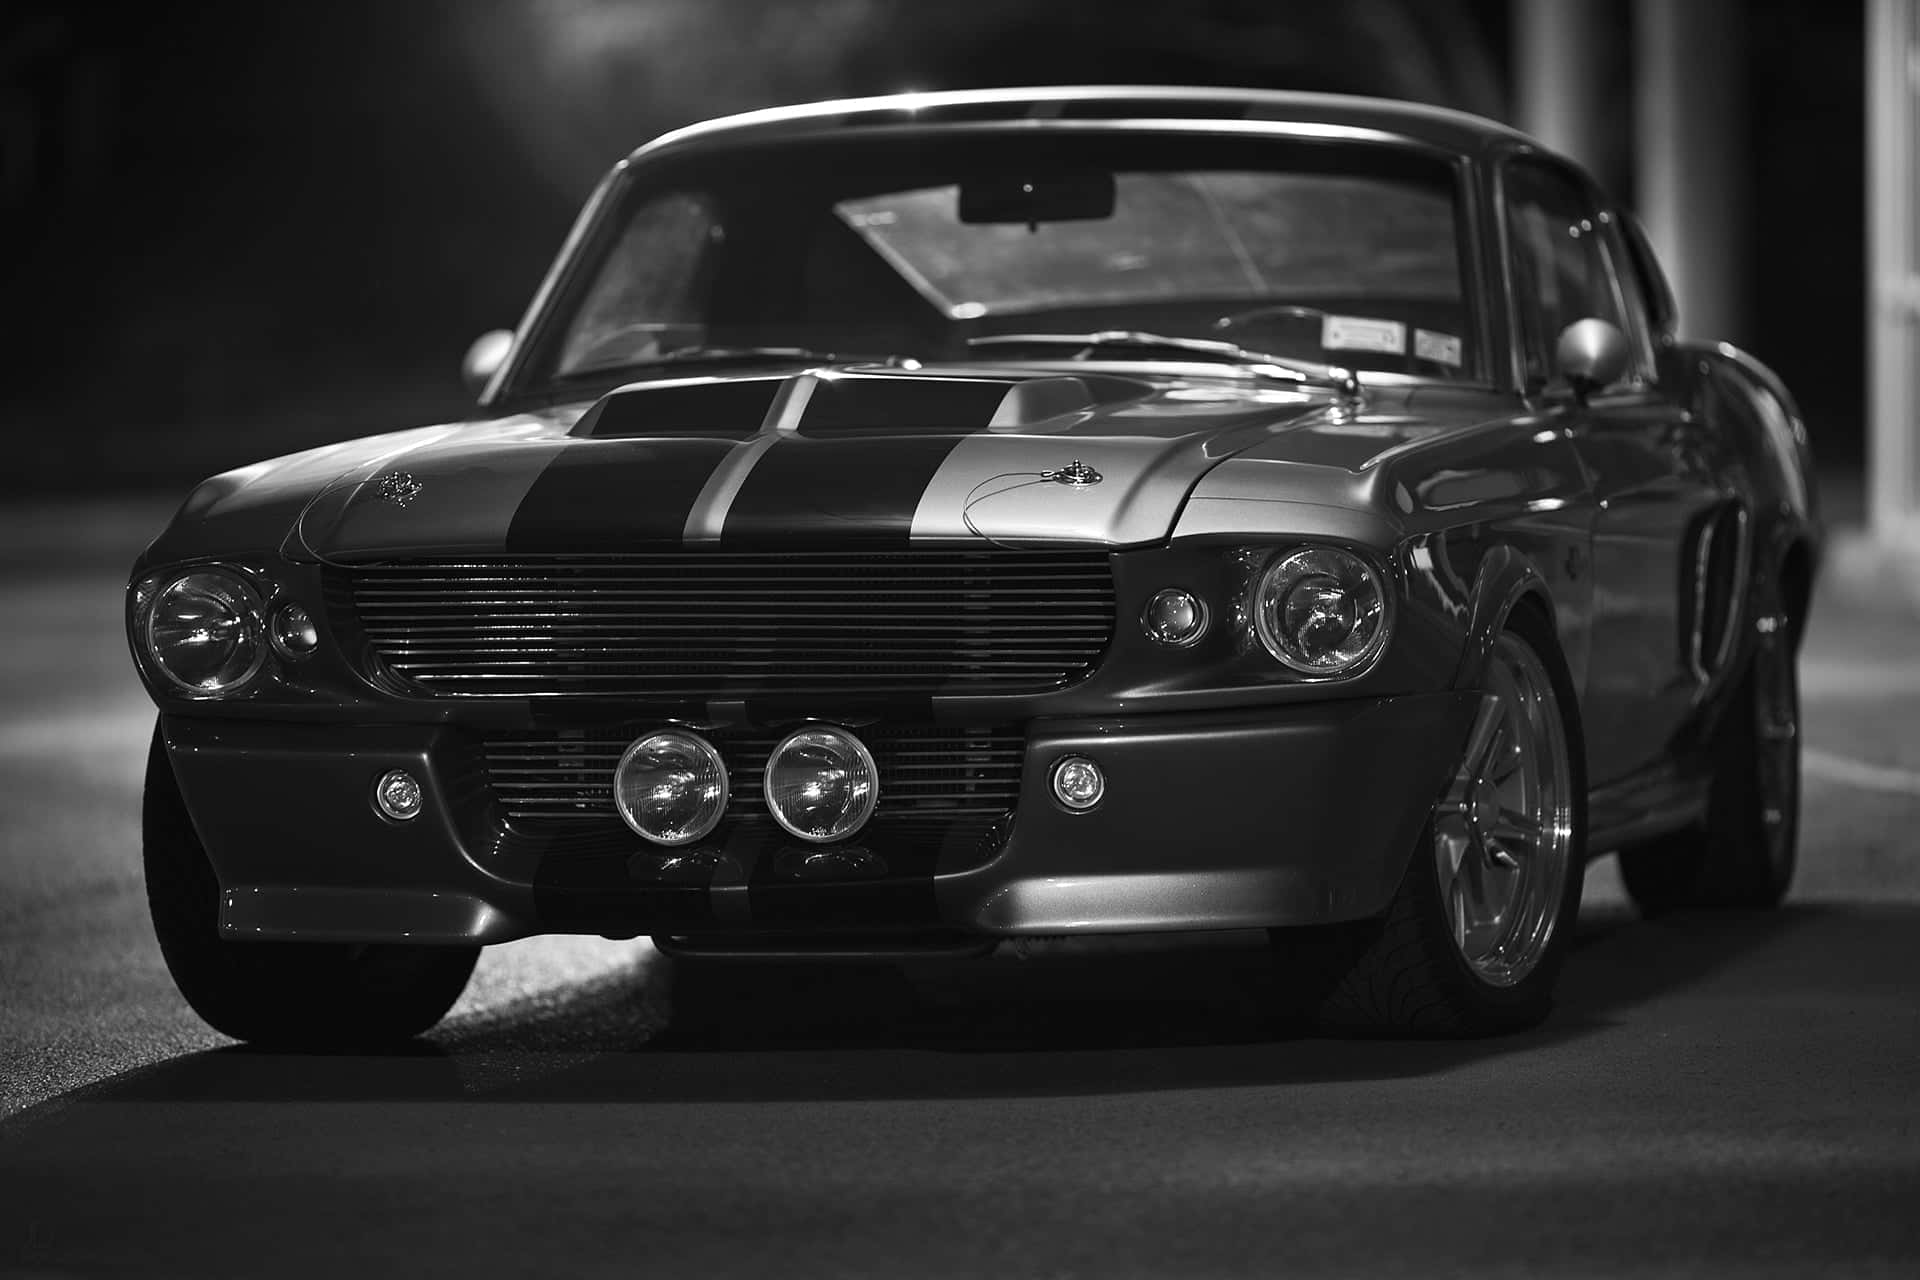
(903, 525)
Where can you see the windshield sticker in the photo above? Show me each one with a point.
(1360, 333)
(1441, 348)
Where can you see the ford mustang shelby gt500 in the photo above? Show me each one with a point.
(903, 524)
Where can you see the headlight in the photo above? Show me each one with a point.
(202, 631)
(1321, 610)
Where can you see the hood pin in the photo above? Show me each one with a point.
(1076, 473)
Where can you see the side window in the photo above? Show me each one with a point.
(1559, 261)
(1653, 281)
(1639, 307)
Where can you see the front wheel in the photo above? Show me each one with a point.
(310, 995)
(1473, 940)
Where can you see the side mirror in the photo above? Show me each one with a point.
(1590, 354)
(484, 358)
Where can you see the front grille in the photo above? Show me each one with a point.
(934, 773)
(695, 624)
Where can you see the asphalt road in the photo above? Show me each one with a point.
(1730, 1094)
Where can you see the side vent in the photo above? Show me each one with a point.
(1717, 590)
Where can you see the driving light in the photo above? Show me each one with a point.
(1321, 610)
(398, 795)
(202, 631)
(293, 634)
(671, 787)
(1174, 617)
(821, 784)
(1078, 783)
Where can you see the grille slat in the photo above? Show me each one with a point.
(734, 625)
(933, 772)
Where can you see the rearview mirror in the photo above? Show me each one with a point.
(484, 358)
(1590, 354)
(1060, 197)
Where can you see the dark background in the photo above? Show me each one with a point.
(234, 230)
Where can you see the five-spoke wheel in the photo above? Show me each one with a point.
(1473, 939)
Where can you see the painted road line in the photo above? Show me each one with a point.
(1856, 773)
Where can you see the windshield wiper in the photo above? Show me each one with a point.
(1333, 377)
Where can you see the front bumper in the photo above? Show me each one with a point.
(1282, 816)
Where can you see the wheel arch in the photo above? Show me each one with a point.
(1507, 579)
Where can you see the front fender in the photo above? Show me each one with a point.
(1507, 577)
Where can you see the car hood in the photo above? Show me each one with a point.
(841, 456)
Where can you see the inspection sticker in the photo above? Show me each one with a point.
(1441, 348)
(1362, 333)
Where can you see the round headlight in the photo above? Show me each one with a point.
(202, 631)
(671, 787)
(1321, 610)
(821, 784)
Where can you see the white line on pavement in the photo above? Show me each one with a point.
(1856, 773)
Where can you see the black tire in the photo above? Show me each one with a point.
(1744, 857)
(1403, 973)
(308, 995)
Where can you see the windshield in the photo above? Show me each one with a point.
(889, 247)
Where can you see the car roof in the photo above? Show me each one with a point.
(1326, 113)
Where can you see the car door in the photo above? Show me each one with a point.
(1648, 463)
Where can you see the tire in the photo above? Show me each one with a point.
(1743, 858)
(1442, 962)
(307, 995)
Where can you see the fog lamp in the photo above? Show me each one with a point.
(671, 787)
(1174, 617)
(398, 795)
(293, 633)
(1078, 783)
(821, 784)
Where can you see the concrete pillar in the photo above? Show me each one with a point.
(1557, 75)
(1690, 154)
(1893, 273)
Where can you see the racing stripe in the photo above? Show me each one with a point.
(856, 468)
(605, 495)
(709, 514)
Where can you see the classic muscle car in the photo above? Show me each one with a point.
(907, 524)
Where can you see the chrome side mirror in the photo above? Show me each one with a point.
(1590, 354)
(484, 358)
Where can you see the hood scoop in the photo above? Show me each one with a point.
(843, 404)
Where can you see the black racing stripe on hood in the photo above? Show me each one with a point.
(865, 450)
(607, 495)
(842, 490)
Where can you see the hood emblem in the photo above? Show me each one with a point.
(1075, 473)
(397, 487)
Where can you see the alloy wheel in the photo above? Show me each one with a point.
(1503, 832)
